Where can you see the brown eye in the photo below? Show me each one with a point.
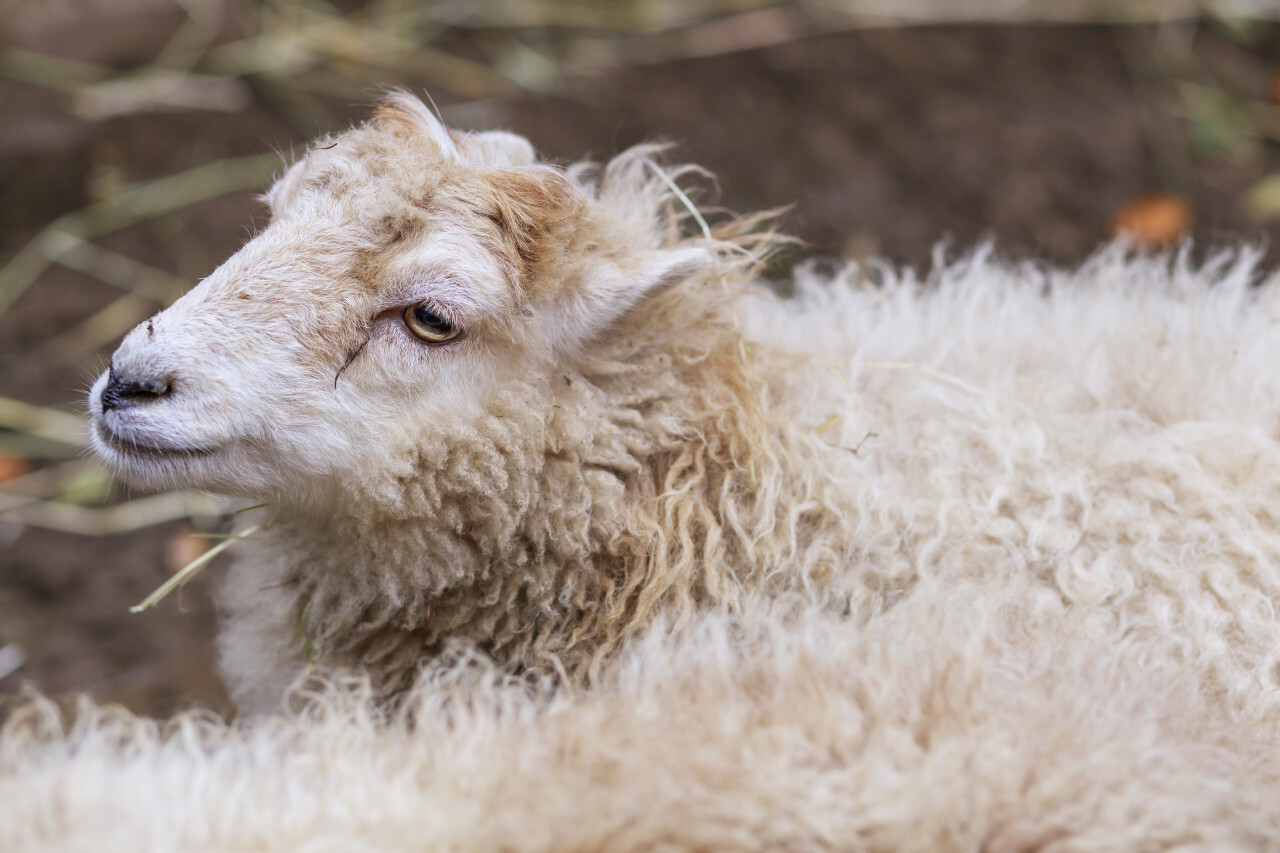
(429, 325)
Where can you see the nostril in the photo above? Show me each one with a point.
(151, 387)
(121, 392)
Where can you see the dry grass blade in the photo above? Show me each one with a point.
(328, 42)
(12, 657)
(648, 34)
(160, 89)
(635, 16)
(680, 194)
(188, 571)
(116, 269)
(50, 71)
(62, 427)
(108, 521)
(42, 482)
(144, 201)
(728, 34)
(189, 42)
(898, 12)
(101, 328)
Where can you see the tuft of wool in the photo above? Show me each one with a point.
(957, 720)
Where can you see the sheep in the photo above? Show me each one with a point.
(499, 407)
(491, 404)
(589, 540)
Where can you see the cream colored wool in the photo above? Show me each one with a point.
(958, 720)
(984, 560)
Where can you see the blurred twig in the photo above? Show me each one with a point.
(12, 657)
(116, 269)
(50, 424)
(104, 521)
(159, 88)
(144, 201)
(51, 71)
(187, 572)
(100, 329)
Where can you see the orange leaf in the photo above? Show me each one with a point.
(12, 467)
(1153, 221)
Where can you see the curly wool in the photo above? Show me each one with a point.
(984, 559)
(958, 720)
(1047, 624)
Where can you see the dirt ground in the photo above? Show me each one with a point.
(886, 142)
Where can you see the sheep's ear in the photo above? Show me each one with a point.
(400, 107)
(283, 190)
(588, 309)
(494, 148)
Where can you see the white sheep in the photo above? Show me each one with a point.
(990, 559)
(496, 405)
(491, 405)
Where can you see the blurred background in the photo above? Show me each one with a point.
(135, 134)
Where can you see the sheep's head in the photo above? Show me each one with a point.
(406, 270)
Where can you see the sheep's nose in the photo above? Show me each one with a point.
(123, 392)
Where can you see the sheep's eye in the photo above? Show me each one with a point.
(428, 325)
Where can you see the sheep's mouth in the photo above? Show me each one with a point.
(133, 447)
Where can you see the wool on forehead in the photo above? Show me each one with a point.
(398, 157)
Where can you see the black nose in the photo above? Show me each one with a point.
(124, 392)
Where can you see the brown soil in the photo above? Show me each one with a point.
(885, 143)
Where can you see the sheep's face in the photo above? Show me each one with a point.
(406, 272)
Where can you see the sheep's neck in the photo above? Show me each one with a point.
(491, 542)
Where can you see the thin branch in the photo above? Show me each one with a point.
(187, 572)
(143, 201)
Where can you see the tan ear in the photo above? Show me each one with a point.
(530, 205)
(398, 107)
(588, 307)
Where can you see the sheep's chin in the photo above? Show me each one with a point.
(148, 465)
